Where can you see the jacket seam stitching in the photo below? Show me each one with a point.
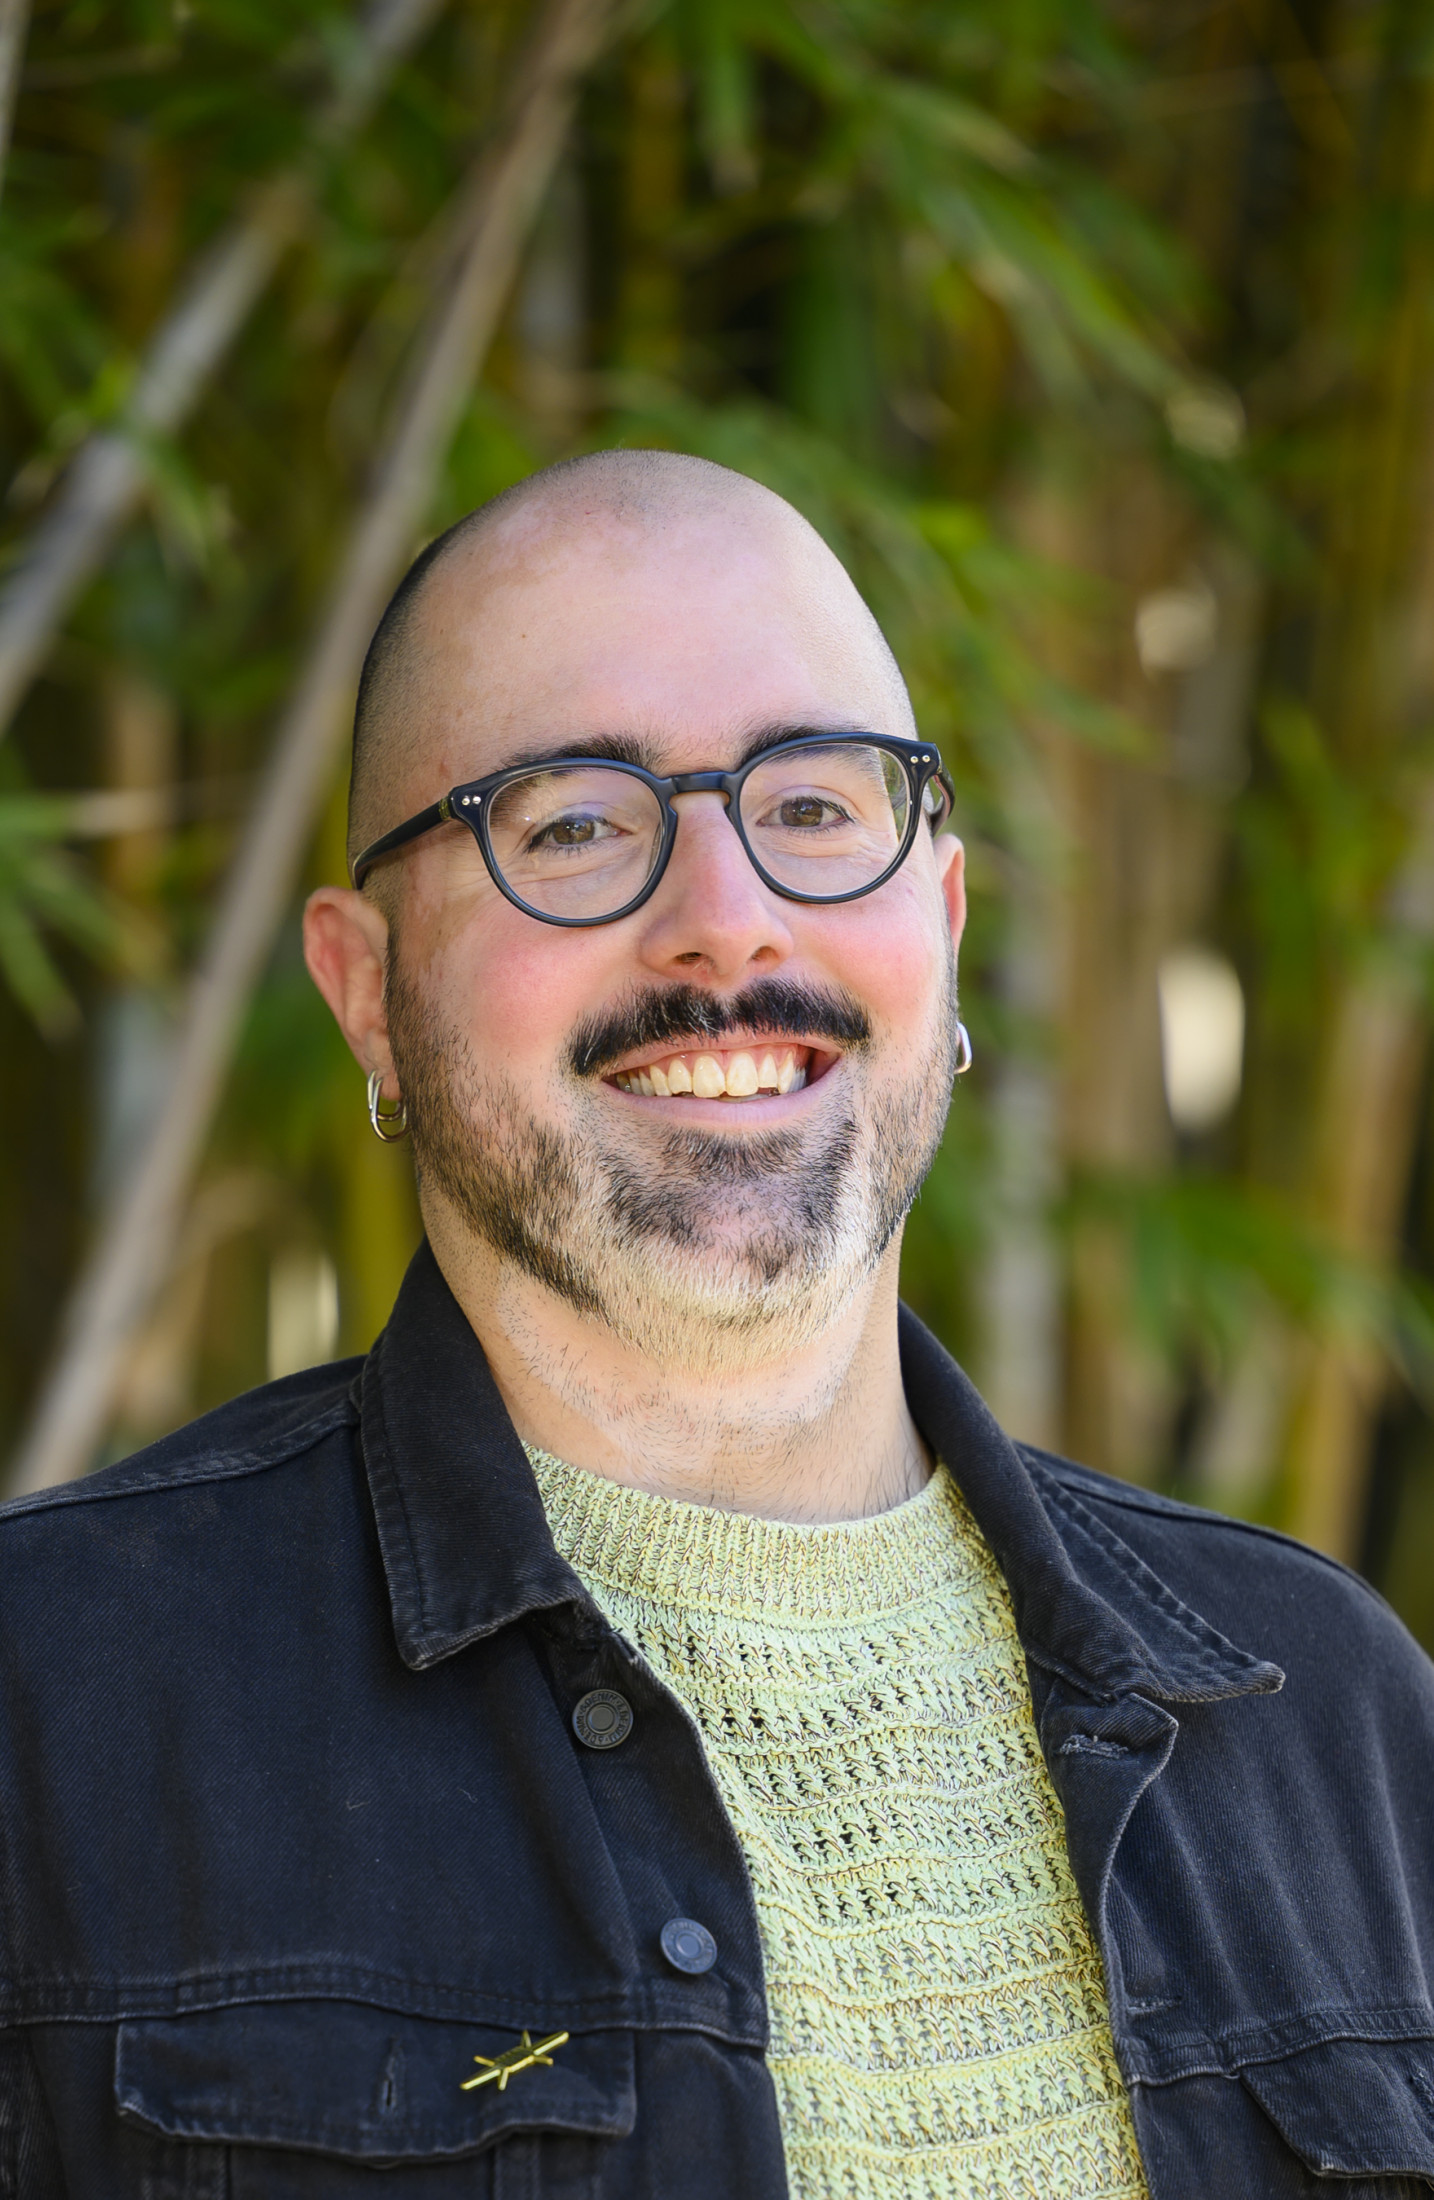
(1072, 1478)
(256, 1981)
(390, 1504)
(1386, 2024)
(1191, 1516)
(226, 1467)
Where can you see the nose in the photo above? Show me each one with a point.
(712, 916)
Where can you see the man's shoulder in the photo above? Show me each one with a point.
(1264, 1589)
(1134, 1497)
(277, 1424)
(1131, 1502)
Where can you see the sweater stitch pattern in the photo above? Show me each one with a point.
(939, 2027)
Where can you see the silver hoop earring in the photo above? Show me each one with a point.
(389, 1124)
(963, 1050)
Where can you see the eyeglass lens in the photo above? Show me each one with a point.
(582, 842)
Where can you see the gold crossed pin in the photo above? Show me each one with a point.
(522, 2057)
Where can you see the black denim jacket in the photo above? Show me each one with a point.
(295, 1823)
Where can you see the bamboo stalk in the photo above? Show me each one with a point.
(14, 19)
(1376, 684)
(1371, 1107)
(1367, 1128)
(105, 481)
(129, 1262)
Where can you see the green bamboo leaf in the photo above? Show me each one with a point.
(43, 889)
(722, 62)
(30, 972)
(946, 124)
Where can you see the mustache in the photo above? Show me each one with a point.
(773, 1008)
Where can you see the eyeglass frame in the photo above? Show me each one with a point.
(469, 804)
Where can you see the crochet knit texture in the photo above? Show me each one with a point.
(938, 2011)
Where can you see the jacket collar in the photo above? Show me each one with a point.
(467, 1549)
(465, 1539)
(1086, 1605)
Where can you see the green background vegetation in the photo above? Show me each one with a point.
(1049, 315)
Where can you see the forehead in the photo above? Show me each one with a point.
(684, 640)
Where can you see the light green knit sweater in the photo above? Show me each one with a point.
(938, 2012)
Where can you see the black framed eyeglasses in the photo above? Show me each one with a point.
(824, 817)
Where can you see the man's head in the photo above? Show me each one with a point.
(668, 611)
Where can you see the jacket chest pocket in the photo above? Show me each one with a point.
(306, 2100)
(1358, 2110)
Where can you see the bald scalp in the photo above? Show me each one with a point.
(522, 533)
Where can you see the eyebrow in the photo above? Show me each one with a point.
(628, 748)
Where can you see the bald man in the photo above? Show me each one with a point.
(644, 1733)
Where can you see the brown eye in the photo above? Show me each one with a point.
(803, 811)
(572, 832)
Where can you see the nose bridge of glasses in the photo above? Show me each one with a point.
(702, 783)
(722, 784)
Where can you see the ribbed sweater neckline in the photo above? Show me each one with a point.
(698, 1556)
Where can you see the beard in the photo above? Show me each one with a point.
(684, 1243)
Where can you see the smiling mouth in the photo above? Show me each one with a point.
(725, 1073)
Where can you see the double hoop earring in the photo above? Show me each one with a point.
(389, 1124)
(963, 1050)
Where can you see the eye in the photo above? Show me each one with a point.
(805, 813)
(571, 832)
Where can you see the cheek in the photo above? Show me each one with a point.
(891, 952)
(516, 988)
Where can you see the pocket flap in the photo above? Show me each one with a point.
(1353, 2107)
(338, 2077)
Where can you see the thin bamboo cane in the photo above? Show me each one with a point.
(1366, 1140)
(14, 17)
(1371, 1096)
(105, 480)
(129, 1261)
(1375, 687)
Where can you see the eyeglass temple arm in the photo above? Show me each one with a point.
(437, 813)
(941, 779)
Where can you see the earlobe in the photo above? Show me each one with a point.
(345, 944)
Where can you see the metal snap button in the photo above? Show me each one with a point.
(687, 1945)
(602, 1719)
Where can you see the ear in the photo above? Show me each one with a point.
(346, 949)
(951, 871)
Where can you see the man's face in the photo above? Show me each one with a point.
(523, 1049)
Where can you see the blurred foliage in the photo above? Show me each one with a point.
(44, 889)
(1037, 312)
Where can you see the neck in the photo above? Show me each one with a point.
(812, 1430)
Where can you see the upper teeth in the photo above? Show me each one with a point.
(720, 1076)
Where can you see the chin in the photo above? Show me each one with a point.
(733, 1289)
